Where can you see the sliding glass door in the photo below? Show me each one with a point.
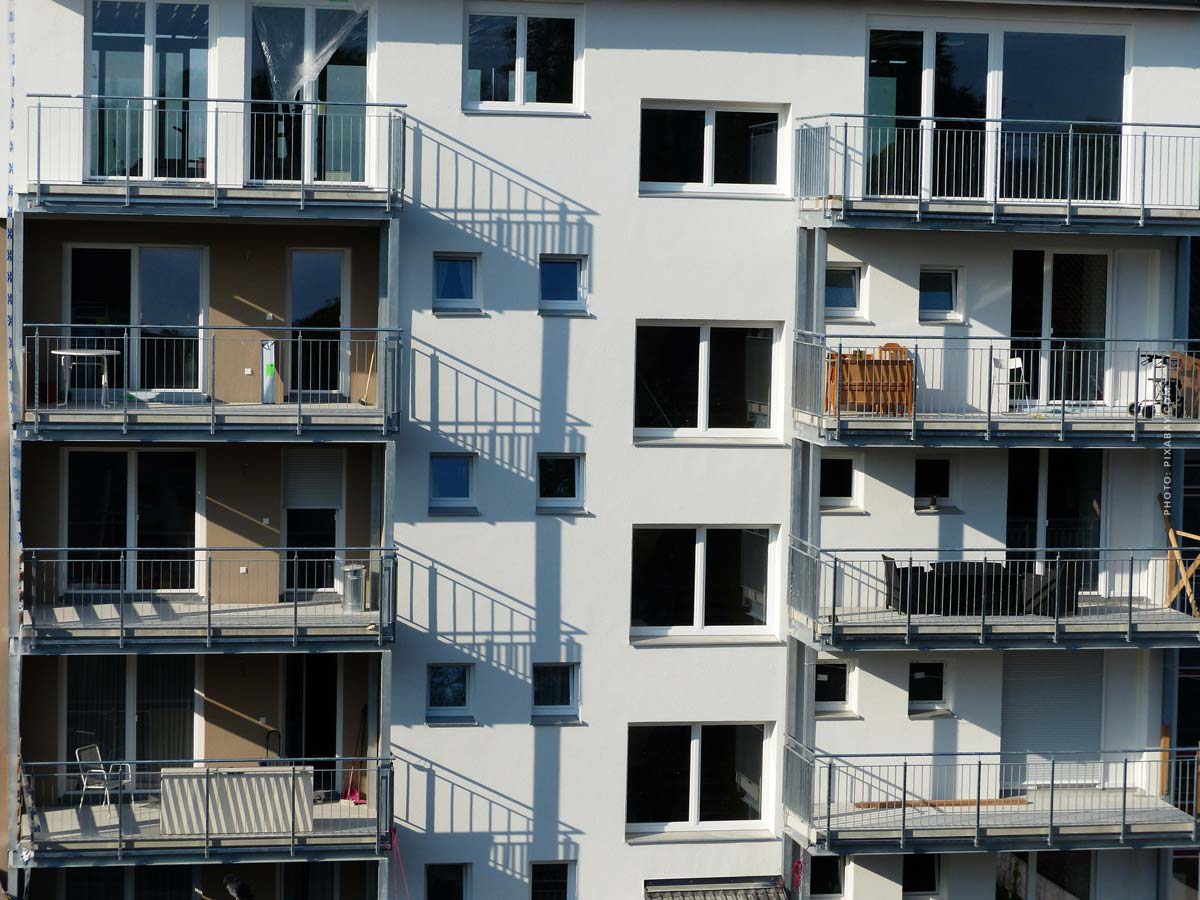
(97, 520)
(319, 356)
(181, 90)
(166, 521)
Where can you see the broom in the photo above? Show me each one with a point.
(353, 793)
(362, 401)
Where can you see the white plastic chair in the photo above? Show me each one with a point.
(96, 777)
(1010, 373)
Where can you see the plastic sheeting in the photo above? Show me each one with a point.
(282, 44)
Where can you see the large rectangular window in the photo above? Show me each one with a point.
(520, 60)
(711, 378)
(697, 775)
(699, 578)
(689, 149)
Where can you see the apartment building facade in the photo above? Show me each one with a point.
(601, 449)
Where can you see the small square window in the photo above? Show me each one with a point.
(449, 688)
(920, 874)
(560, 481)
(825, 876)
(837, 481)
(455, 286)
(550, 881)
(555, 689)
(451, 480)
(931, 482)
(938, 294)
(562, 283)
(832, 687)
(446, 882)
(927, 684)
(841, 293)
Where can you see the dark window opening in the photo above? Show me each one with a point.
(832, 679)
(664, 577)
(672, 146)
(659, 762)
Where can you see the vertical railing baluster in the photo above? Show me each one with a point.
(991, 367)
(1050, 824)
(983, 601)
(1129, 619)
(299, 373)
(216, 155)
(207, 811)
(978, 797)
(127, 192)
(1142, 214)
(37, 377)
(903, 802)
(916, 376)
(124, 575)
(208, 591)
(1070, 168)
(38, 161)
(292, 843)
(295, 596)
(212, 380)
(1124, 794)
(828, 802)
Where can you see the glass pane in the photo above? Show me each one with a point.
(672, 146)
(731, 761)
(97, 485)
(181, 76)
(101, 291)
(658, 766)
(445, 882)
(959, 92)
(453, 279)
(169, 340)
(341, 129)
(549, 881)
(936, 293)
(1070, 870)
(166, 518)
(312, 537)
(276, 126)
(316, 304)
(560, 280)
(825, 875)
(837, 478)
(747, 147)
(450, 477)
(116, 75)
(919, 874)
(926, 683)
(667, 378)
(831, 685)
(931, 479)
(841, 290)
(162, 882)
(166, 686)
(556, 478)
(447, 687)
(550, 60)
(664, 576)
(892, 142)
(96, 705)
(735, 576)
(491, 58)
(551, 685)
(739, 378)
(1078, 311)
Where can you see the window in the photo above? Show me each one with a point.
(456, 283)
(452, 481)
(563, 286)
(551, 881)
(695, 149)
(705, 378)
(521, 61)
(555, 689)
(319, 298)
(560, 481)
(832, 692)
(446, 882)
(938, 294)
(920, 874)
(698, 578)
(449, 690)
(839, 483)
(926, 686)
(824, 876)
(931, 483)
(842, 293)
(694, 775)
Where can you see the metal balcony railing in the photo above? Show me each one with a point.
(123, 809)
(995, 800)
(994, 383)
(986, 595)
(208, 149)
(124, 595)
(998, 166)
(201, 375)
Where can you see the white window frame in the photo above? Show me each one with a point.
(572, 709)
(579, 304)
(522, 12)
(434, 712)
(571, 878)
(955, 314)
(857, 479)
(920, 708)
(472, 305)
(697, 627)
(709, 185)
(467, 502)
(827, 707)
(921, 503)
(704, 348)
(561, 503)
(694, 822)
(846, 314)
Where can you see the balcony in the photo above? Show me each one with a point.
(888, 803)
(209, 379)
(109, 811)
(78, 598)
(998, 597)
(901, 389)
(114, 152)
(854, 170)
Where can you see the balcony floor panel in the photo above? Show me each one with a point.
(227, 415)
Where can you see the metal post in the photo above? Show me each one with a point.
(212, 382)
(908, 603)
(295, 597)
(996, 174)
(1070, 167)
(828, 802)
(1062, 390)
(983, 603)
(216, 156)
(837, 393)
(127, 112)
(1050, 825)
(903, 802)
(845, 167)
(208, 590)
(385, 564)
(121, 603)
(125, 385)
(1129, 620)
(1124, 793)
(391, 127)
(916, 378)
(207, 812)
(37, 377)
(987, 434)
(120, 805)
(1142, 215)
(292, 845)
(1057, 593)
(38, 151)
(299, 373)
(403, 156)
(1137, 368)
(978, 797)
